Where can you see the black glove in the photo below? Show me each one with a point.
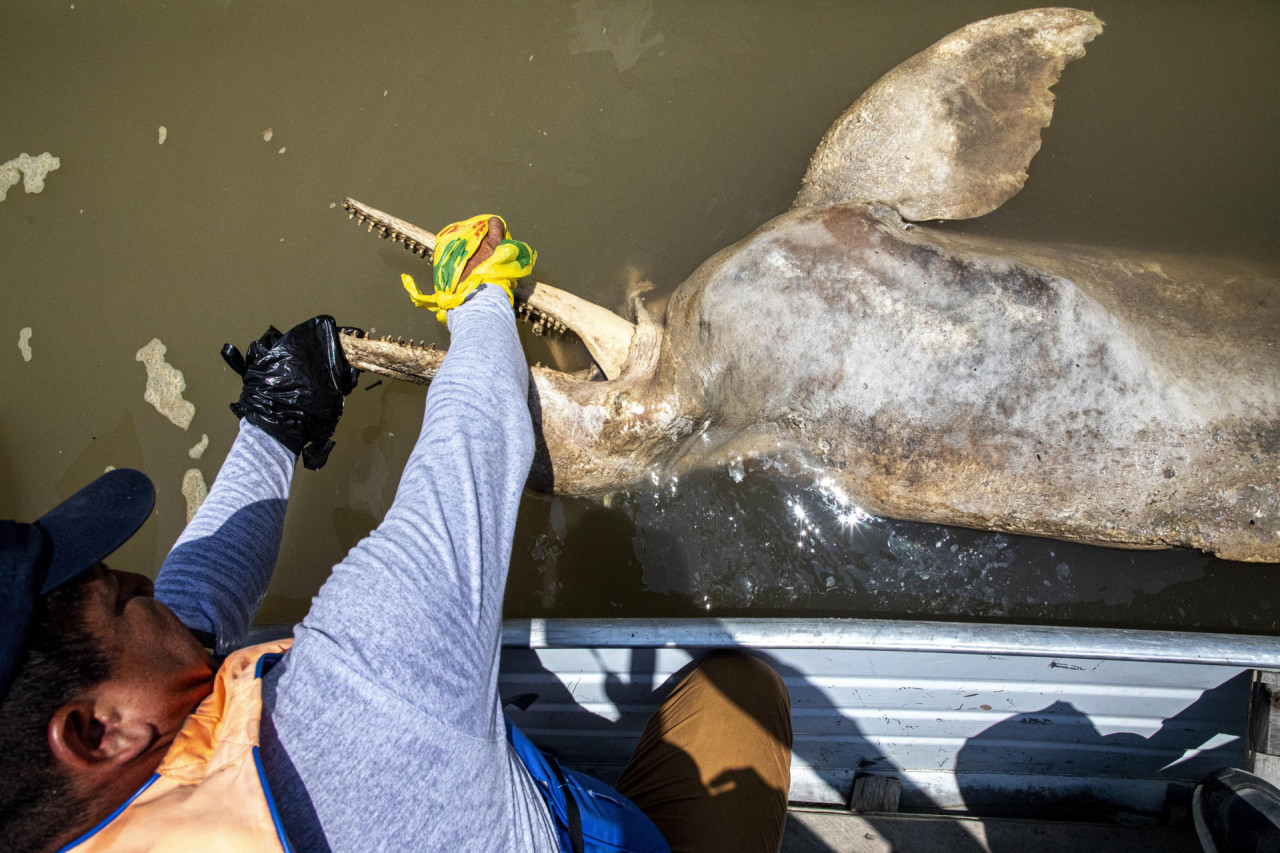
(294, 386)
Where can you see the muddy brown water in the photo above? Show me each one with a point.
(612, 134)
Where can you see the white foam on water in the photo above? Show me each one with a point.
(32, 169)
(165, 384)
(194, 490)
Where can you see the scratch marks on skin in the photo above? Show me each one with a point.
(165, 385)
(962, 325)
(24, 342)
(33, 171)
(632, 417)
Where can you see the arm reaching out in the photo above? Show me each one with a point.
(418, 604)
(387, 703)
(218, 571)
(294, 389)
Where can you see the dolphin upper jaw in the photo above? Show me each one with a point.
(591, 436)
(607, 336)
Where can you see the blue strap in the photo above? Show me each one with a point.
(608, 821)
(572, 812)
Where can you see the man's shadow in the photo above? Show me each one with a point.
(1042, 753)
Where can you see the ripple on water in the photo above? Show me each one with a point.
(744, 538)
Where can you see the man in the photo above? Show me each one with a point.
(379, 726)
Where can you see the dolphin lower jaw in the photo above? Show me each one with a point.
(592, 437)
(395, 358)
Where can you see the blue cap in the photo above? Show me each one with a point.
(36, 559)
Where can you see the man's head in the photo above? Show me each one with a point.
(96, 676)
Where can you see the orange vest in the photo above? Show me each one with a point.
(209, 793)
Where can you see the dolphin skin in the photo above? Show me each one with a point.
(1078, 393)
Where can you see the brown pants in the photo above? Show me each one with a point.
(713, 766)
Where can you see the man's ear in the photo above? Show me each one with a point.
(91, 733)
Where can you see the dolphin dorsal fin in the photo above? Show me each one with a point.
(949, 133)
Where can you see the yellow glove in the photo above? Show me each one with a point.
(455, 245)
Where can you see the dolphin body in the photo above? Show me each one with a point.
(1077, 393)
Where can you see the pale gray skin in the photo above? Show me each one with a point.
(1076, 393)
(1048, 391)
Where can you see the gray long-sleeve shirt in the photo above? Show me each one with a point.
(381, 727)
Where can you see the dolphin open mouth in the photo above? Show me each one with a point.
(607, 337)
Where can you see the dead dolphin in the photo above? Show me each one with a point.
(1077, 393)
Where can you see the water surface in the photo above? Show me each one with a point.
(612, 134)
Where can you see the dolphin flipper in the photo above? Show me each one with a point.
(949, 133)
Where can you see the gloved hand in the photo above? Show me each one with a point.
(295, 385)
(468, 254)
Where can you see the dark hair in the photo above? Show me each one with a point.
(62, 659)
